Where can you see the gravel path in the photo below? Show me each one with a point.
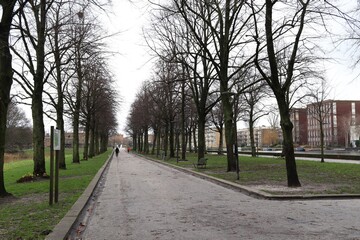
(145, 200)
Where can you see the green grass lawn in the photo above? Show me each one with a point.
(27, 215)
(315, 177)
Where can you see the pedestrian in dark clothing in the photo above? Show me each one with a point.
(117, 151)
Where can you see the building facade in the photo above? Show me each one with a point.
(298, 117)
(263, 137)
(340, 121)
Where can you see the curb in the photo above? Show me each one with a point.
(64, 227)
(256, 193)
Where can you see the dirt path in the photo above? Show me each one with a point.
(145, 200)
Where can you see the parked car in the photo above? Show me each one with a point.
(299, 149)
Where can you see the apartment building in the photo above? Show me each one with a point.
(298, 117)
(340, 121)
(263, 136)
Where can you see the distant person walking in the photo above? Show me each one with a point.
(128, 149)
(117, 151)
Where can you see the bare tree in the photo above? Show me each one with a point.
(19, 132)
(97, 95)
(254, 108)
(320, 110)
(144, 104)
(155, 110)
(273, 118)
(344, 128)
(217, 119)
(284, 63)
(86, 47)
(226, 23)
(6, 79)
(60, 43)
(16, 116)
(32, 30)
(170, 34)
(107, 122)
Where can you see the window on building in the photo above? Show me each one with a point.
(353, 108)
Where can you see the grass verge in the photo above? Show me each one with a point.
(269, 174)
(27, 214)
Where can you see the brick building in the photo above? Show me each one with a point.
(68, 139)
(340, 121)
(298, 117)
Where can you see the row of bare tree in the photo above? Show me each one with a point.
(225, 51)
(53, 52)
(19, 131)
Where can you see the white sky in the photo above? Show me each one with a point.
(132, 65)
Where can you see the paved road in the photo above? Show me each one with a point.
(145, 200)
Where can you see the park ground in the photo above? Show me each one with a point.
(142, 199)
(27, 215)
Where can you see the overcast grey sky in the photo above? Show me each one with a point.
(131, 66)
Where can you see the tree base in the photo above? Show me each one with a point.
(294, 185)
(5, 194)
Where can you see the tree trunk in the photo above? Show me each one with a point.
(288, 146)
(229, 132)
(194, 138)
(172, 140)
(166, 139)
(134, 141)
(37, 105)
(201, 137)
(6, 78)
(146, 140)
(104, 140)
(158, 144)
(59, 106)
(224, 88)
(190, 141)
(97, 143)
(75, 141)
(183, 145)
(60, 126)
(92, 142)
(78, 101)
(322, 140)
(155, 140)
(252, 139)
(61, 155)
(183, 136)
(186, 142)
(38, 133)
(86, 142)
(139, 144)
(281, 91)
(221, 140)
